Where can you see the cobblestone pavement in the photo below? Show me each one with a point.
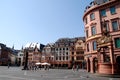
(15, 73)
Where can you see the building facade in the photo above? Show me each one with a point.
(32, 52)
(102, 21)
(69, 52)
(7, 55)
(64, 53)
(20, 57)
(48, 54)
(4, 54)
(77, 53)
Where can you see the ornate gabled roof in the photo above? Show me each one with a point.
(63, 40)
(32, 45)
(50, 45)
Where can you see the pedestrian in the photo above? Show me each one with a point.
(8, 65)
(73, 68)
(77, 67)
(47, 67)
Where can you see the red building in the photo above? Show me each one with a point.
(102, 28)
(34, 53)
(5, 55)
(69, 52)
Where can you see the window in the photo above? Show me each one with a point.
(115, 25)
(105, 0)
(60, 49)
(117, 42)
(107, 58)
(66, 48)
(72, 48)
(77, 53)
(79, 58)
(112, 10)
(72, 58)
(21, 54)
(105, 26)
(56, 49)
(72, 53)
(59, 58)
(92, 16)
(63, 58)
(66, 57)
(66, 53)
(87, 33)
(103, 13)
(93, 30)
(94, 45)
(88, 47)
(56, 58)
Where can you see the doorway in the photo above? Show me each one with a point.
(88, 65)
(118, 59)
(95, 64)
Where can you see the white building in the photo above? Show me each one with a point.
(20, 58)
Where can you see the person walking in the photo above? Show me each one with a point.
(8, 65)
(73, 68)
(77, 67)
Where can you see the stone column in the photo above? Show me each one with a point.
(91, 68)
(111, 57)
(88, 65)
(111, 54)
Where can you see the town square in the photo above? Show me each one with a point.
(15, 73)
(60, 40)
